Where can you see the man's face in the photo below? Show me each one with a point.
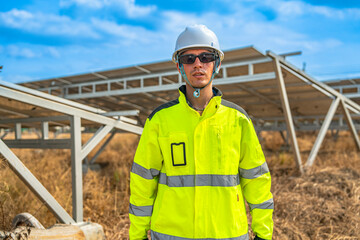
(198, 73)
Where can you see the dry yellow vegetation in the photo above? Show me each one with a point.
(324, 203)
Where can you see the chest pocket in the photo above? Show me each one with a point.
(175, 150)
(178, 154)
(225, 148)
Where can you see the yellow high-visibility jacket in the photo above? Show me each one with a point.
(191, 174)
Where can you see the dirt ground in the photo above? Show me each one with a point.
(324, 203)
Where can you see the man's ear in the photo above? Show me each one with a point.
(178, 68)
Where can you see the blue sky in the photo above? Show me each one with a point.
(46, 39)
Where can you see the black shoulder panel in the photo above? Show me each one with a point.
(234, 106)
(165, 105)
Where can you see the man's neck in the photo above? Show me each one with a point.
(201, 102)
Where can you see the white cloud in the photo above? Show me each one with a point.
(242, 29)
(349, 13)
(134, 10)
(354, 12)
(114, 29)
(16, 51)
(291, 9)
(131, 9)
(174, 22)
(45, 24)
(16, 78)
(128, 34)
(88, 3)
(29, 51)
(52, 52)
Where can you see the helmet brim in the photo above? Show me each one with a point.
(196, 46)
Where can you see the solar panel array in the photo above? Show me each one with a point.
(247, 78)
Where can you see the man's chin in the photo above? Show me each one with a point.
(200, 84)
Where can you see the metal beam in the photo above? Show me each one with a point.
(350, 124)
(39, 143)
(93, 159)
(18, 131)
(50, 97)
(37, 119)
(45, 130)
(142, 69)
(169, 87)
(98, 75)
(65, 109)
(95, 140)
(287, 112)
(123, 81)
(261, 96)
(34, 185)
(122, 113)
(284, 55)
(76, 169)
(128, 120)
(329, 91)
(322, 132)
(13, 112)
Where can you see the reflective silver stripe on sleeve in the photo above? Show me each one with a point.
(161, 236)
(140, 211)
(144, 172)
(199, 180)
(254, 172)
(269, 204)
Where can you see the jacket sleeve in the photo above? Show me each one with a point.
(255, 182)
(144, 177)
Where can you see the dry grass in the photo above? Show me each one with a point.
(322, 204)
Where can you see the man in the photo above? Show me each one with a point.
(198, 158)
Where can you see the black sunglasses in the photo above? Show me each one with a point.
(204, 57)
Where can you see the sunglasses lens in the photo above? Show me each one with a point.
(207, 57)
(188, 58)
(203, 57)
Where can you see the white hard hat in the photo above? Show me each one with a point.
(197, 36)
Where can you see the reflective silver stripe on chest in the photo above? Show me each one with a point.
(161, 236)
(200, 180)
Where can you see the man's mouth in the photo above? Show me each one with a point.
(198, 74)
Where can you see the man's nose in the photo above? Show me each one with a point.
(197, 63)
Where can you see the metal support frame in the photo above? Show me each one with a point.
(93, 159)
(259, 95)
(35, 186)
(39, 143)
(306, 123)
(285, 138)
(350, 124)
(72, 112)
(45, 130)
(287, 113)
(326, 90)
(146, 90)
(95, 140)
(76, 169)
(355, 90)
(324, 128)
(18, 131)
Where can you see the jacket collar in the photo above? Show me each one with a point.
(216, 91)
(212, 106)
